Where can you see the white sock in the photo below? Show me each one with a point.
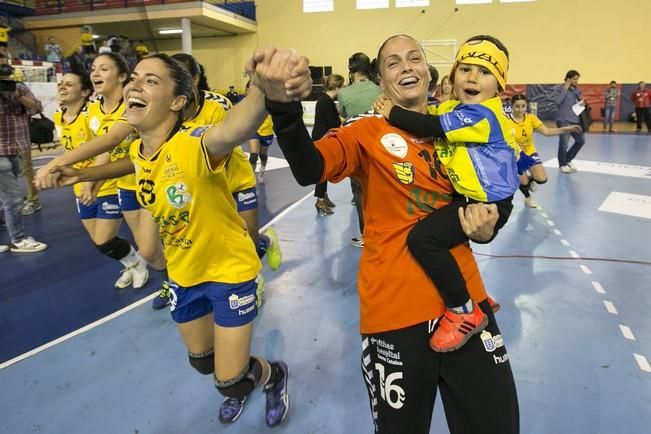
(132, 258)
(467, 307)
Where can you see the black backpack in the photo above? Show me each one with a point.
(41, 130)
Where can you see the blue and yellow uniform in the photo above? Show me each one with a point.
(239, 174)
(524, 138)
(480, 152)
(266, 132)
(186, 192)
(74, 134)
(100, 123)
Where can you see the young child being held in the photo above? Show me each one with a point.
(474, 141)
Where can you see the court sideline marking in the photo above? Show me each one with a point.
(129, 307)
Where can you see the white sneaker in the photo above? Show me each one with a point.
(261, 174)
(28, 245)
(572, 166)
(125, 279)
(140, 274)
(259, 292)
(532, 185)
(566, 169)
(3, 248)
(530, 202)
(357, 242)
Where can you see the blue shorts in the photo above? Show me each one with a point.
(265, 141)
(527, 161)
(246, 200)
(105, 208)
(233, 305)
(127, 200)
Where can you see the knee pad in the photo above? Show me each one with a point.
(243, 384)
(204, 363)
(253, 158)
(117, 248)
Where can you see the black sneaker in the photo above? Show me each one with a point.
(277, 397)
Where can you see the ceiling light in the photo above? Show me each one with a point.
(95, 36)
(170, 31)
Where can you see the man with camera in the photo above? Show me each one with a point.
(17, 105)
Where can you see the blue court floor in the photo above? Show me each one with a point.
(570, 277)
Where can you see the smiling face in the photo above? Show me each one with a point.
(69, 90)
(474, 84)
(105, 75)
(149, 96)
(403, 72)
(519, 108)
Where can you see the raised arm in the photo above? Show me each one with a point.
(550, 131)
(69, 175)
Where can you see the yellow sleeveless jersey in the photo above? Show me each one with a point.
(524, 132)
(100, 123)
(212, 111)
(86, 39)
(4, 33)
(480, 152)
(73, 135)
(204, 238)
(267, 127)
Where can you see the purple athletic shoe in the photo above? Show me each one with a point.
(277, 397)
(231, 409)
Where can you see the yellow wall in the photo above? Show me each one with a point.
(600, 38)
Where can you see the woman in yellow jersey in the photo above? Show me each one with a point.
(259, 144)
(209, 108)
(212, 272)
(530, 166)
(98, 210)
(109, 73)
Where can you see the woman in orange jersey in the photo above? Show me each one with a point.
(398, 303)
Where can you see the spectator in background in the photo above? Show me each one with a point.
(641, 98)
(326, 117)
(17, 104)
(128, 52)
(610, 104)
(431, 88)
(77, 62)
(567, 96)
(87, 42)
(355, 99)
(444, 92)
(106, 47)
(53, 50)
(232, 95)
(114, 43)
(4, 39)
(141, 50)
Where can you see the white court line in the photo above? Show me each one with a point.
(597, 287)
(585, 269)
(124, 309)
(565, 242)
(557, 232)
(626, 331)
(610, 307)
(642, 362)
(544, 214)
(550, 223)
(79, 331)
(574, 254)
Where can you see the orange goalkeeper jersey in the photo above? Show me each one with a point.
(402, 182)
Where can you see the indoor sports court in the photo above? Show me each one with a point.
(78, 355)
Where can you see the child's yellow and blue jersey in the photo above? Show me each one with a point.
(524, 132)
(204, 238)
(100, 123)
(73, 135)
(479, 154)
(212, 111)
(267, 127)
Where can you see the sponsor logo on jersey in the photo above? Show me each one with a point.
(178, 195)
(491, 343)
(395, 144)
(235, 302)
(404, 172)
(243, 197)
(94, 124)
(465, 120)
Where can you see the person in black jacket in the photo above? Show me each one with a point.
(326, 117)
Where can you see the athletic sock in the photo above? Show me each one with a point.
(131, 259)
(464, 308)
